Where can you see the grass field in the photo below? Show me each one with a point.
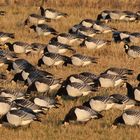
(109, 56)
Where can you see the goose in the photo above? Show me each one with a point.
(132, 51)
(20, 117)
(134, 37)
(101, 103)
(4, 61)
(26, 103)
(89, 75)
(38, 48)
(82, 60)
(43, 29)
(21, 64)
(54, 59)
(128, 117)
(35, 74)
(20, 47)
(79, 89)
(23, 74)
(52, 13)
(6, 36)
(118, 71)
(87, 31)
(124, 102)
(119, 36)
(70, 38)
(96, 25)
(45, 102)
(79, 78)
(8, 55)
(102, 27)
(32, 72)
(117, 15)
(87, 22)
(56, 47)
(43, 85)
(35, 19)
(75, 28)
(92, 43)
(126, 37)
(129, 16)
(133, 92)
(104, 16)
(109, 80)
(80, 114)
(11, 94)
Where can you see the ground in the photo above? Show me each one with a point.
(109, 56)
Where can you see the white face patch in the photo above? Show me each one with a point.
(123, 35)
(25, 75)
(126, 47)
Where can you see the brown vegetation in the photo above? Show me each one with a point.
(113, 55)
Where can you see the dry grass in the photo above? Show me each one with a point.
(112, 55)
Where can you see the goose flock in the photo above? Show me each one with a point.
(44, 89)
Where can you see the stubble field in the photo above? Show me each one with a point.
(109, 56)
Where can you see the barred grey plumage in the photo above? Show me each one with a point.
(81, 114)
